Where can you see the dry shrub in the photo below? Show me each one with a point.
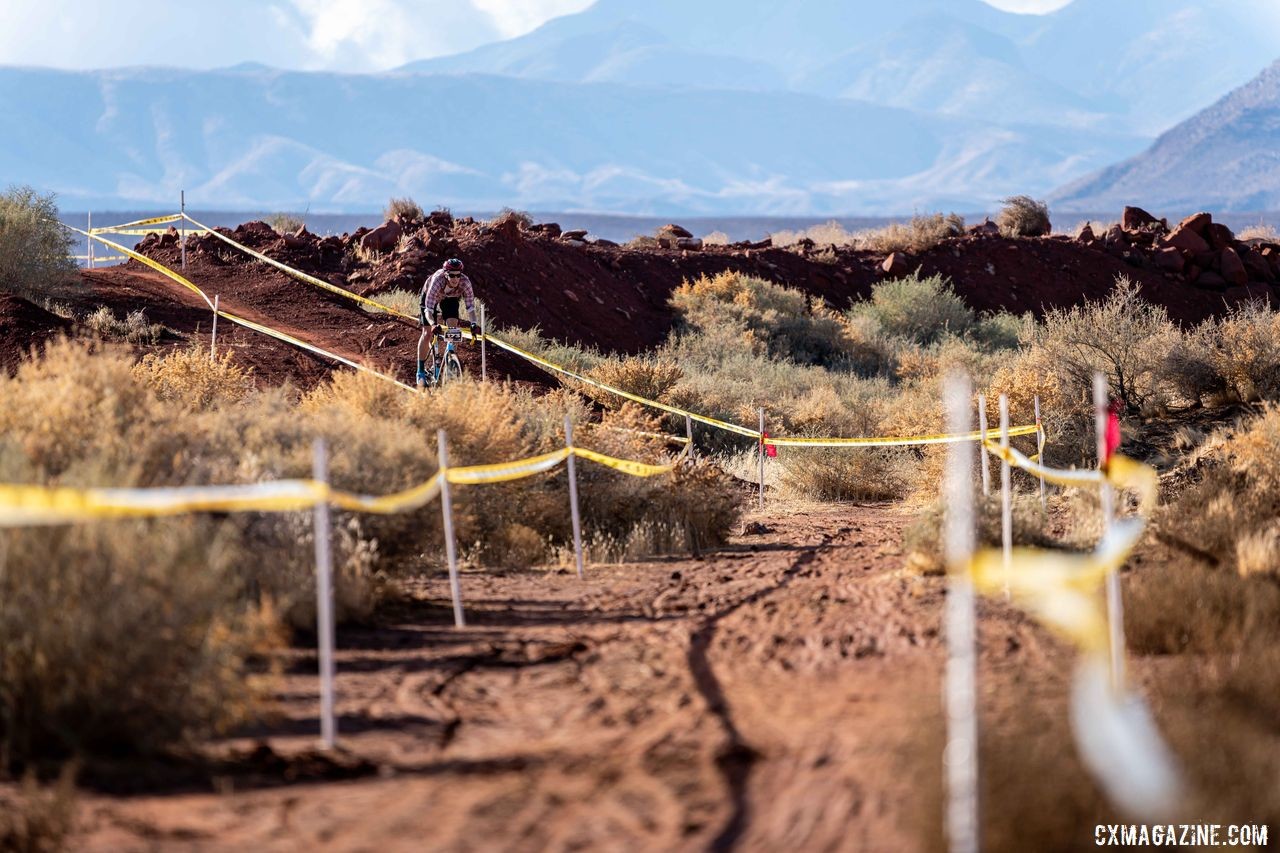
(647, 376)
(716, 238)
(123, 636)
(36, 818)
(285, 223)
(1023, 216)
(922, 310)
(1245, 351)
(190, 377)
(922, 540)
(918, 234)
(134, 328)
(827, 234)
(844, 474)
(403, 208)
(35, 251)
(786, 322)
(1262, 232)
(519, 217)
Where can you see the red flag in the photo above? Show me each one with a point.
(770, 450)
(1112, 434)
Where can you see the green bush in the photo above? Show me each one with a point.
(922, 310)
(35, 251)
(404, 208)
(1023, 216)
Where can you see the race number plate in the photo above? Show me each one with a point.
(453, 333)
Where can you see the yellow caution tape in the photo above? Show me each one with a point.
(158, 220)
(1122, 472)
(626, 466)
(22, 506)
(298, 274)
(249, 324)
(142, 232)
(663, 436)
(404, 501)
(890, 441)
(1061, 589)
(505, 471)
(97, 258)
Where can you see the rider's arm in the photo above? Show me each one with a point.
(469, 295)
(430, 297)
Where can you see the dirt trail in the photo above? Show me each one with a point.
(780, 693)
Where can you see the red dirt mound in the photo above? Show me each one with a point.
(25, 326)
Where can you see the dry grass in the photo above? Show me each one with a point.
(1262, 231)
(650, 377)
(521, 219)
(1023, 216)
(403, 208)
(837, 474)
(716, 238)
(285, 223)
(917, 234)
(404, 301)
(38, 819)
(134, 328)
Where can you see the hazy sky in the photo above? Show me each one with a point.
(339, 35)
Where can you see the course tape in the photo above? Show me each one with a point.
(142, 232)
(1121, 472)
(891, 441)
(241, 321)
(96, 258)
(157, 220)
(23, 506)
(298, 274)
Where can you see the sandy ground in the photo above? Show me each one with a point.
(781, 693)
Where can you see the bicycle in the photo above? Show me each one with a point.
(447, 366)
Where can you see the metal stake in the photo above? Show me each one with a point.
(89, 242)
(1040, 450)
(450, 546)
(213, 340)
(324, 596)
(761, 457)
(1006, 495)
(688, 433)
(182, 224)
(484, 359)
(961, 757)
(982, 428)
(1115, 603)
(573, 497)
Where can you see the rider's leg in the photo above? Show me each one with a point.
(421, 340)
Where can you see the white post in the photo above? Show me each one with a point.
(761, 454)
(1115, 604)
(89, 242)
(484, 356)
(324, 597)
(1040, 451)
(213, 339)
(450, 546)
(182, 225)
(1006, 495)
(688, 433)
(573, 497)
(982, 428)
(961, 756)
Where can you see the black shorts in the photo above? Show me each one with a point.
(447, 308)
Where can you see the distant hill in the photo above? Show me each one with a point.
(1224, 158)
(251, 138)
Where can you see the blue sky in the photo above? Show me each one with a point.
(335, 35)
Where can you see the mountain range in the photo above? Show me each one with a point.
(743, 106)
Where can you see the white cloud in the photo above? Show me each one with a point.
(517, 17)
(1031, 7)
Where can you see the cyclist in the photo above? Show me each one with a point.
(439, 302)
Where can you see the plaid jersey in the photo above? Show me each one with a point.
(441, 286)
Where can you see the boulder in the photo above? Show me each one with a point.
(1256, 264)
(1116, 236)
(605, 244)
(551, 229)
(1086, 234)
(1219, 236)
(1233, 269)
(381, 239)
(896, 265)
(1137, 219)
(986, 229)
(575, 234)
(1168, 259)
(440, 217)
(508, 228)
(1187, 240)
(675, 231)
(1211, 281)
(1196, 222)
(689, 244)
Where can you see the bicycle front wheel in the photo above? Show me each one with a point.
(452, 369)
